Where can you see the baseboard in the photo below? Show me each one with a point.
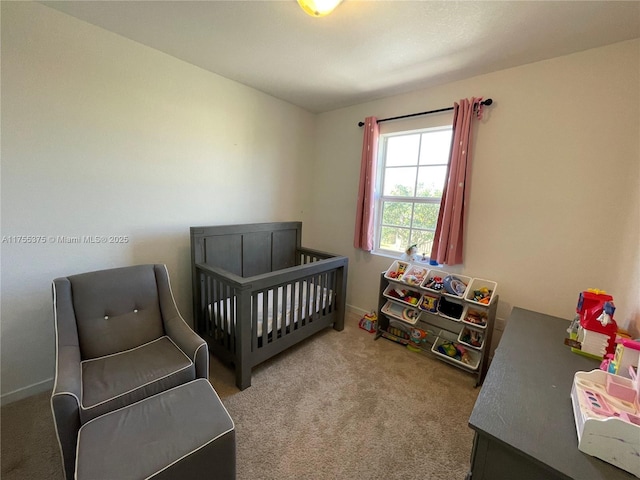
(27, 391)
(357, 310)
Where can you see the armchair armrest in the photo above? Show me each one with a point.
(65, 405)
(177, 329)
(67, 389)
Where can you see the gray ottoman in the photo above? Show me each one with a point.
(182, 433)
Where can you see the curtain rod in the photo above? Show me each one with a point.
(487, 102)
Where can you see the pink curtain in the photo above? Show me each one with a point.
(448, 242)
(363, 237)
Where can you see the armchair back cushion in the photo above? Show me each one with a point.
(116, 309)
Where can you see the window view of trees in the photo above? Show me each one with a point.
(412, 182)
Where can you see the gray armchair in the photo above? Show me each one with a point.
(119, 339)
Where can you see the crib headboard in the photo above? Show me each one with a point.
(249, 249)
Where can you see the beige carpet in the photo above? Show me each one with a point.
(338, 406)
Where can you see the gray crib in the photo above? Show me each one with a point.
(257, 291)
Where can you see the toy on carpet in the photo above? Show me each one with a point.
(369, 322)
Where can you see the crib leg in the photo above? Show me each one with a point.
(338, 325)
(243, 377)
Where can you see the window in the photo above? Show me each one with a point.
(411, 174)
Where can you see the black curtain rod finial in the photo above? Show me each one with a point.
(486, 102)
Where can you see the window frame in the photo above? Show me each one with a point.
(380, 198)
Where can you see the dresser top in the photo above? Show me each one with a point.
(525, 401)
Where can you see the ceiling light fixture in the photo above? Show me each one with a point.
(318, 8)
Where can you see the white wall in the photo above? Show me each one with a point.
(104, 136)
(554, 205)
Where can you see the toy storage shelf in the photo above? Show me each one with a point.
(460, 321)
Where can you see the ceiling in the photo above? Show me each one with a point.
(364, 50)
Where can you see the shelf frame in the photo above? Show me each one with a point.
(434, 323)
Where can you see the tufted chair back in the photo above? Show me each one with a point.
(116, 309)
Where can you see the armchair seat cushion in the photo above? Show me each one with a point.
(121, 379)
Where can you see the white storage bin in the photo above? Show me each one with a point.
(483, 286)
(404, 295)
(471, 337)
(404, 314)
(476, 317)
(456, 286)
(396, 270)
(455, 311)
(470, 358)
(414, 275)
(427, 284)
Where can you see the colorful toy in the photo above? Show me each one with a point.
(414, 275)
(429, 303)
(476, 318)
(606, 411)
(369, 322)
(435, 283)
(596, 333)
(399, 333)
(454, 350)
(482, 295)
(418, 339)
(627, 355)
(471, 337)
(408, 296)
(396, 270)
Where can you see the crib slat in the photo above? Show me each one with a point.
(211, 321)
(275, 329)
(254, 322)
(265, 318)
(231, 292)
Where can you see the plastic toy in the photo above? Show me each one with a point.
(482, 295)
(454, 350)
(627, 354)
(429, 303)
(397, 332)
(606, 411)
(476, 318)
(418, 338)
(435, 283)
(414, 275)
(398, 271)
(595, 335)
(408, 296)
(369, 322)
(472, 337)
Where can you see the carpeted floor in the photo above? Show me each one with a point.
(338, 406)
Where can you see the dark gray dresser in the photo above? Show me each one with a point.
(523, 419)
